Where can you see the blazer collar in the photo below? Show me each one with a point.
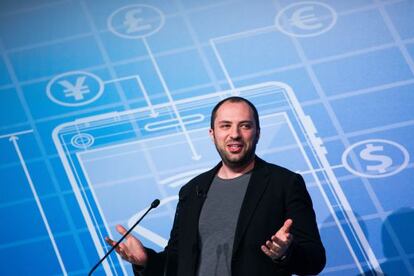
(208, 177)
(255, 189)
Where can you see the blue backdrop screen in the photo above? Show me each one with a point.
(105, 105)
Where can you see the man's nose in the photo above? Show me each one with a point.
(235, 132)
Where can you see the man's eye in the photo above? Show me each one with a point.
(224, 126)
(246, 126)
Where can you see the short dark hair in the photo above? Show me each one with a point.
(235, 99)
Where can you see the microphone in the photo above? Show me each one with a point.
(154, 204)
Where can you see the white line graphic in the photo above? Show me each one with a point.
(330, 175)
(320, 151)
(307, 127)
(14, 140)
(143, 89)
(195, 155)
(9, 135)
(320, 169)
(223, 68)
(90, 221)
(148, 234)
(213, 41)
(170, 123)
(182, 178)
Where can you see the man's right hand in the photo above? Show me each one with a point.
(131, 250)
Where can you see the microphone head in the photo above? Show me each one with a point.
(155, 203)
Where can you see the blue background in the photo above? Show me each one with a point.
(355, 80)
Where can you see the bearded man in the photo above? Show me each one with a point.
(243, 217)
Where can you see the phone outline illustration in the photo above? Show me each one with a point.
(286, 107)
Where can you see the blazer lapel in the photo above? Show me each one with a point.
(202, 188)
(255, 189)
(189, 235)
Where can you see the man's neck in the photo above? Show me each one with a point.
(227, 172)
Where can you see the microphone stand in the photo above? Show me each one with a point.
(154, 204)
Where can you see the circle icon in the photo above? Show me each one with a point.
(75, 88)
(82, 140)
(136, 21)
(376, 158)
(306, 19)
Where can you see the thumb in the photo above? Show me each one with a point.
(287, 225)
(121, 230)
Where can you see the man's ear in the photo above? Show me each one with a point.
(257, 135)
(211, 134)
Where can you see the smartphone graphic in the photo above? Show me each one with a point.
(117, 163)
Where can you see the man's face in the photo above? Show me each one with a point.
(235, 133)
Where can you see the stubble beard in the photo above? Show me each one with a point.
(236, 163)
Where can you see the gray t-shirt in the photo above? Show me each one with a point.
(217, 224)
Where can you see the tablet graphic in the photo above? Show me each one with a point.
(117, 163)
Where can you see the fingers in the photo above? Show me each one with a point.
(282, 239)
(267, 252)
(131, 250)
(272, 250)
(112, 243)
(121, 230)
(124, 251)
(273, 247)
(279, 242)
(109, 241)
(286, 226)
(121, 249)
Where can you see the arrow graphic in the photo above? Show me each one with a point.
(153, 114)
(195, 155)
(147, 99)
(14, 140)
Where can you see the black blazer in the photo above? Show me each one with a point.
(273, 195)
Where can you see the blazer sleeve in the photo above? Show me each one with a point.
(166, 260)
(306, 254)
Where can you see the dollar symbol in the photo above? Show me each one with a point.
(384, 161)
(134, 23)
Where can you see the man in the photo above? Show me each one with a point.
(243, 217)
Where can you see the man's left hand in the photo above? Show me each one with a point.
(279, 243)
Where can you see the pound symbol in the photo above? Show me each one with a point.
(134, 22)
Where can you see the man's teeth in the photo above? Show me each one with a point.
(235, 146)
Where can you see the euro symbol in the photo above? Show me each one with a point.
(134, 22)
(305, 21)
